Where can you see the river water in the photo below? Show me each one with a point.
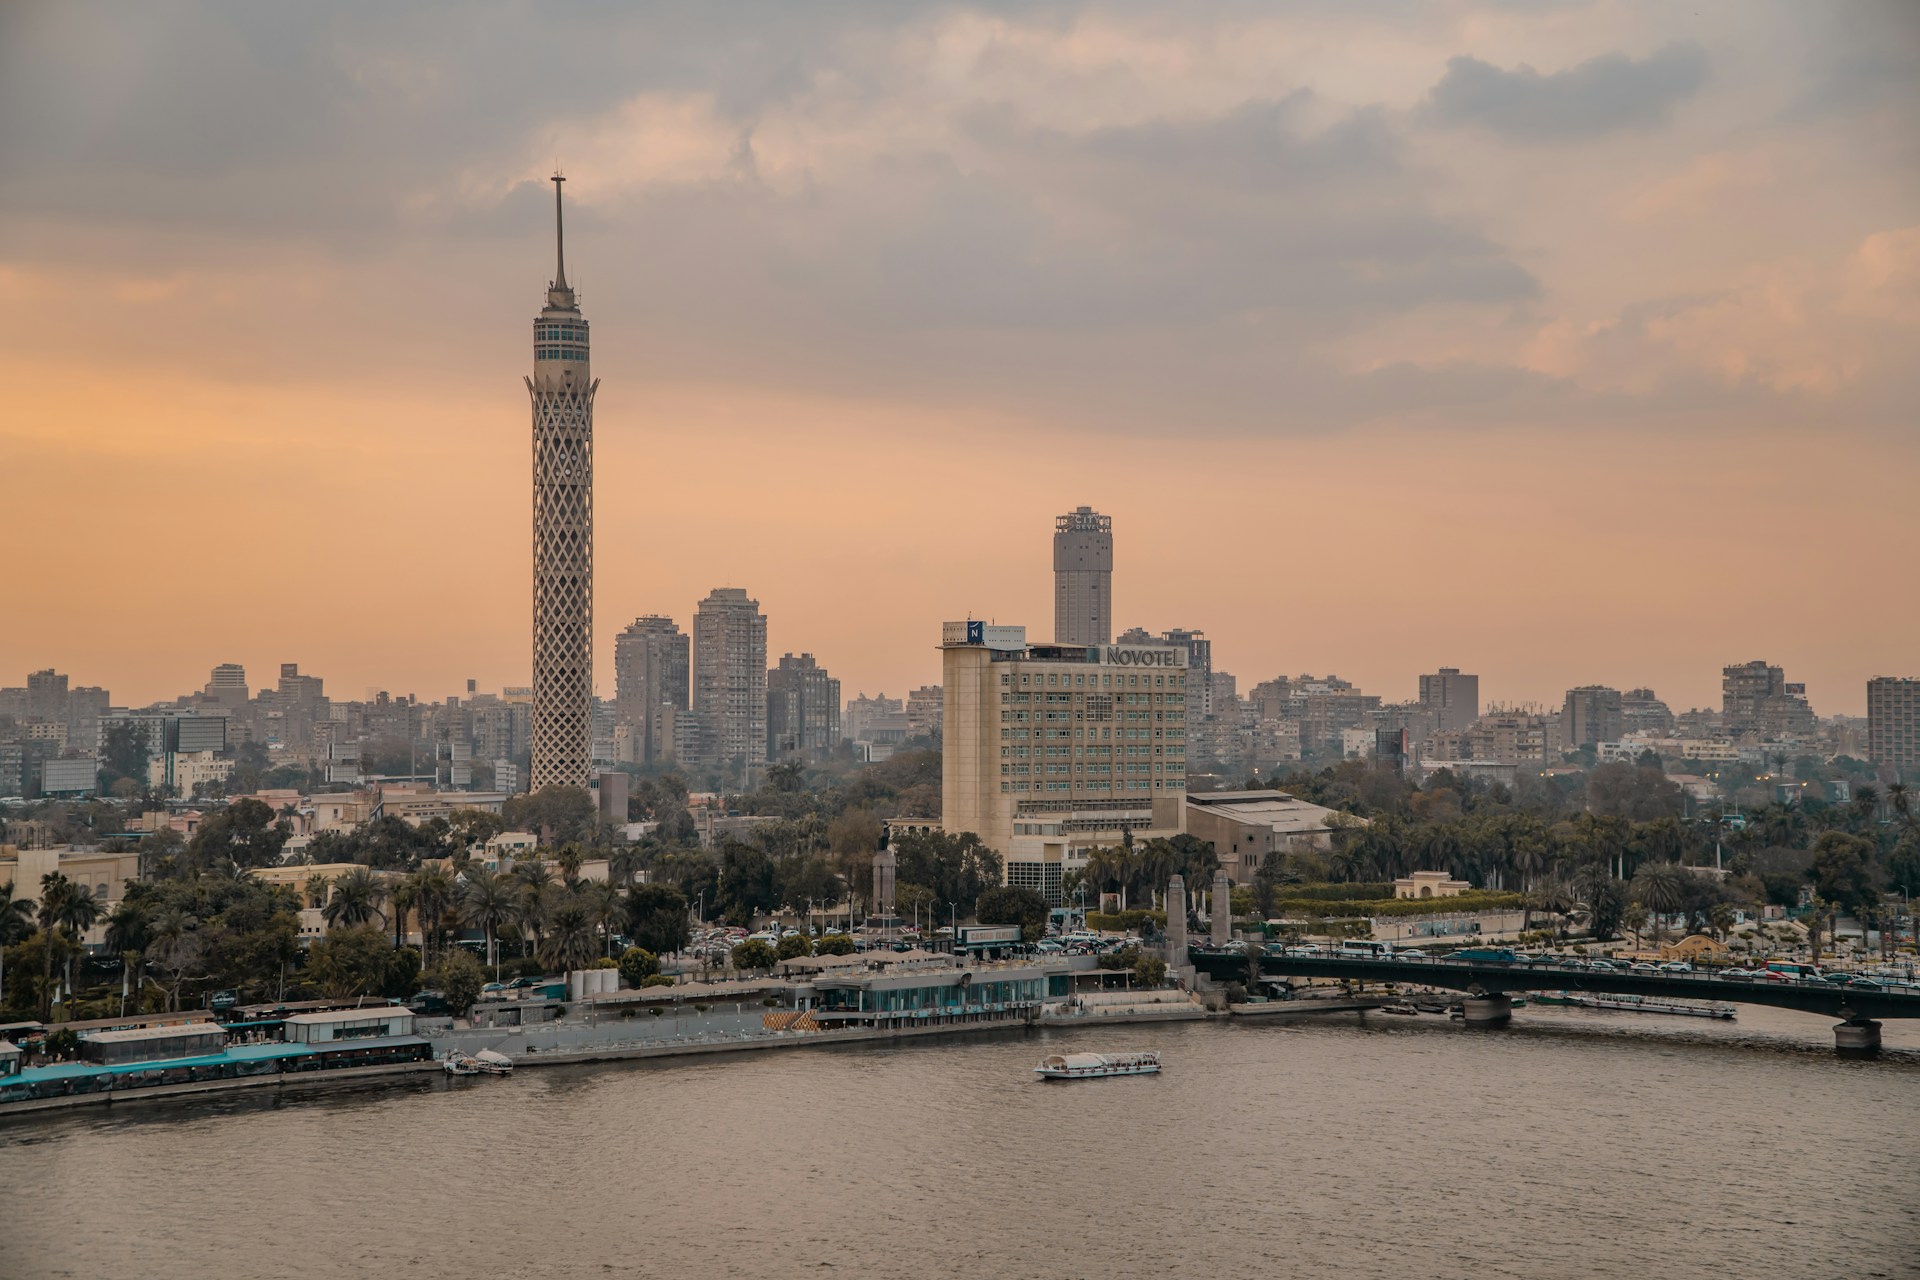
(1574, 1143)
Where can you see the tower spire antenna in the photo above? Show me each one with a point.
(559, 235)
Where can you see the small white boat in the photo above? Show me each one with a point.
(1095, 1066)
(459, 1064)
(494, 1063)
(1401, 1007)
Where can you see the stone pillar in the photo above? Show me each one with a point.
(1177, 922)
(885, 869)
(1857, 1039)
(1222, 909)
(1487, 1011)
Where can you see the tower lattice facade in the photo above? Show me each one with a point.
(562, 388)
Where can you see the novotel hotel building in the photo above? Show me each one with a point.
(1050, 750)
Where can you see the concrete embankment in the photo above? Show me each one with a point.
(295, 1081)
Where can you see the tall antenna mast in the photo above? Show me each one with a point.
(559, 236)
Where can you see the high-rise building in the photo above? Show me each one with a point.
(228, 685)
(1757, 701)
(1049, 750)
(730, 678)
(1591, 715)
(47, 696)
(803, 709)
(1893, 724)
(1082, 577)
(652, 665)
(924, 709)
(562, 388)
(1453, 698)
(1642, 712)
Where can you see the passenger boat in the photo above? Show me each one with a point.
(1637, 1004)
(1094, 1066)
(494, 1063)
(459, 1064)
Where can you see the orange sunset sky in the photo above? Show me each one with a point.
(1570, 343)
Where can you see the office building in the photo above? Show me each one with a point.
(1452, 697)
(1050, 750)
(803, 710)
(1893, 725)
(653, 665)
(730, 680)
(562, 389)
(228, 685)
(1082, 578)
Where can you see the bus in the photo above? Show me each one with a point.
(1359, 949)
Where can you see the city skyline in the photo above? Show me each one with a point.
(1701, 268)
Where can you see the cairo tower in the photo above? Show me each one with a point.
(562, 388)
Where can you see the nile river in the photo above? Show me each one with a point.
(1574, 1143)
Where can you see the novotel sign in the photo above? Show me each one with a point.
(1128, 655)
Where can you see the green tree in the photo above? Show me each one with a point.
(793, 946)
(459, 978)
(754, 954)
(834, 944)
(955, 868)
(1010, 904)
(65, 908)
(15, 917)
(355, 900)
(657, 918)
(558, 815)
(1149, 971)
(246, 833)
(488, 899)
(1661, 887)
(569, 943)
(1841, 871)
(637, 964)
(352, 961)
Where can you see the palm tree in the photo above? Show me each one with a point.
(355, 901)
(317, 887)
(604, 906)
(534, 881)
(402, 895)
(127, 935)
(16, 922)
(569, 943)
(627, 862)
(1635, 918)
(1661, 887)
(65, 907)
(435, 897)
(489, 900)
(170, 945)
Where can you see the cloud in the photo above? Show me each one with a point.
(1607, 94)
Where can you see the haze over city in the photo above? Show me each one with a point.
(756, 638)
(1563, 343)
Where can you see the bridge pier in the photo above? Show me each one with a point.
(1858, 1038)
(1488, 1011)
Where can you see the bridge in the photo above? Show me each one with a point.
(1487, 983)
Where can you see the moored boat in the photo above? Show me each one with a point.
(494, 1063)
(1400, 1007)
(1095, 1066)
(459, 1064)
